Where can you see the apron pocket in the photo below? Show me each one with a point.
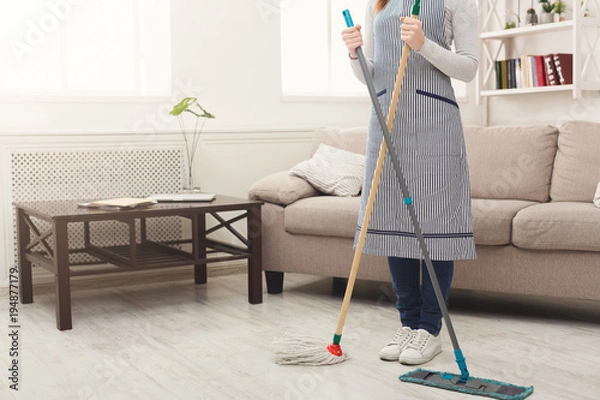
(437, 97)
(438, 128)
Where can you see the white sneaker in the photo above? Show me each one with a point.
(391, 352)
(421, 349)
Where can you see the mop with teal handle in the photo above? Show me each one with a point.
(463, 382)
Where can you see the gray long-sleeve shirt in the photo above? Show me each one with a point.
(462, 30)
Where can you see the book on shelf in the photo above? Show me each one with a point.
(518, 73)
(498, 70)
(534, 70)
(526, 71)
(502, 75)
(539, 61)
(563, 63)
(510, 73)
(514, 66)
(119, 203)
(552, 79)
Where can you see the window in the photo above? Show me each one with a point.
(85, 48)
(314, 60)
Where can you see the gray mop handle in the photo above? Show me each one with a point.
(407, 199)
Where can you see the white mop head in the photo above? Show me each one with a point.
(304, 350)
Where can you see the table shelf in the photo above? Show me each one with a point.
(146, 255)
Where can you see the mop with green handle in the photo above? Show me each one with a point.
(463, 382)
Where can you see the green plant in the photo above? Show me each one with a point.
(559, 7)
(510, 25)
(531, 11)
(547, 6)
(191, 105)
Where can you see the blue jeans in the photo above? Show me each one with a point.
(416, 302)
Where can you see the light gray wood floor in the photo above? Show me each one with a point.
(170, 339)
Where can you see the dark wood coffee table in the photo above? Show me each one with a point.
(49, 247)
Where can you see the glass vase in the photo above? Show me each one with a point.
(190, 185)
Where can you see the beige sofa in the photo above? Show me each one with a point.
(536, 228)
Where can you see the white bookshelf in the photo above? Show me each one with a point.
(496, 43)
(541, 89)
(527, 30)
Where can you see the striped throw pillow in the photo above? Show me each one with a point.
(333, 171)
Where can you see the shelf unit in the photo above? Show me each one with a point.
(497, 43)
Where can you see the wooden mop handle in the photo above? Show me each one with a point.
(379, 166)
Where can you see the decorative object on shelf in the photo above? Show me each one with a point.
(191, 105)
(510, 22)
(547, 15)
(559, 9)
(584, 9)
(531, 18)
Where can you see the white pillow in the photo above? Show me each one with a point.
(333, 171)
(597, 196)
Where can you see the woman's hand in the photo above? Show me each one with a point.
(353, 39)
(412, 33)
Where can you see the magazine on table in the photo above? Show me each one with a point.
(119, 203)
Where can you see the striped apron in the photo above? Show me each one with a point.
(428, 139)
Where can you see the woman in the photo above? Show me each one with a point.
(427, 136)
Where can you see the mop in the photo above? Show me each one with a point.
(296, 349)
(303, 350)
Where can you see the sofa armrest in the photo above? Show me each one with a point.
(281, 188)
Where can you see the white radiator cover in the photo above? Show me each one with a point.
(84, 174)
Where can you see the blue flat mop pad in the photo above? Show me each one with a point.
(474, 386)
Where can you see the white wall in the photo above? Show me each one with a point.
(550, 108)
(226, 53)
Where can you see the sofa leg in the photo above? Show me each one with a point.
(338, 287)
(274, 282)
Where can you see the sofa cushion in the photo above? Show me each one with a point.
(323, 216)
(281, 188)
(558, 226)
(577, 166)
(492, 220)
(333, 171)
(511, 162)
(349, 139)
